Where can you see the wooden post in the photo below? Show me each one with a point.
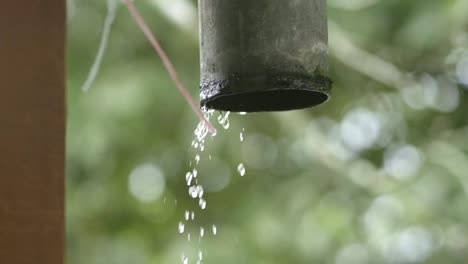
(32, 131)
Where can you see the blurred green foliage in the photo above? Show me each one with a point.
(379, 174)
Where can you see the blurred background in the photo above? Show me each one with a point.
(379, 174)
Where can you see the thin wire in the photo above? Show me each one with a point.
(111, 13)
(167, 63)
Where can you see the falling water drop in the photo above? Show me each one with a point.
(193, 191)
(195, 173)
(200, 191)
(241, 135)
(215, 230)
(197, 159)
(188, 237)
(242, 113)
(202, 203)
(188, 178)
(241, 169)
(202, 231)
(184, 259)
(181, 227)
(200, 255)
(223, 119)
(187, 215)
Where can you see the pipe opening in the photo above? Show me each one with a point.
(269, 100)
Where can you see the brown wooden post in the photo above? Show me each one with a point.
(32, 131)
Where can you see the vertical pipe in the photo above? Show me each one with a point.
(263, 55)
(32, 131)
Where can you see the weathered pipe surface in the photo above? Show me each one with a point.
(263, 55)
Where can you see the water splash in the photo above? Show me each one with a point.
(241, 169)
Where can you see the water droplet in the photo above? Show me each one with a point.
(193, 191)
(209, 156)
(200, 191)
(188, 178)
(215, 229)
(195, 173)
(197, 158)
(202, 203)
(200, 255)
(241, 135)
(188, 237)
(195, 144)
(192, 216)
(241, 169)
(181, 227)
(164, 200)
(242, 113)
(196, 191)
(223, 119)
(187, 215)
(202, 231)
(184, 259)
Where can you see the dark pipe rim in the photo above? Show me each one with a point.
(279, 92)
(266, 100)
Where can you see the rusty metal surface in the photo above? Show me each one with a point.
(32, 131)
(264, 55)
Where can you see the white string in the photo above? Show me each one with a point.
(110, 17)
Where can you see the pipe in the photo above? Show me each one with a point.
(263, 55)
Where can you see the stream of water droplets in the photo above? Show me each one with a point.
(195, 189)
